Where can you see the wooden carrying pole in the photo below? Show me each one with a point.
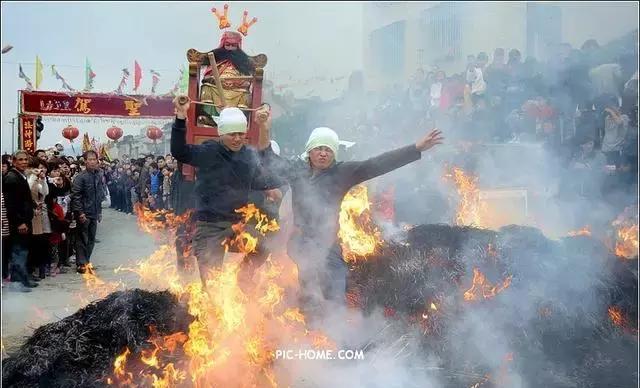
(216, 77)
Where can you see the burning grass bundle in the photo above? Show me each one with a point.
(473, 307)
(565, 309)
(80, 350)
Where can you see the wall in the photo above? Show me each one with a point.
(484, 26)
(603, 21)
(377, 15)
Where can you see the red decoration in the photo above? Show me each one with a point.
(154, 133)
(70, 133)
(114, 133)
(95, 104)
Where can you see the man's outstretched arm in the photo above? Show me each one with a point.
(389, 161)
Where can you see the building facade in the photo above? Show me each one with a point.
(399, 37)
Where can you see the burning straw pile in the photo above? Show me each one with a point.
(80, 350)
(472, 307)
(512, 302)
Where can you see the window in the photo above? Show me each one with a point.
(441, 32)
(387, 48)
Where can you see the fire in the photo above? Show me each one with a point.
(244, 241)
(627, 242)
(359, 235)
(123, 377)
(585, 231)
(234, 328)
(154, 221)
(471, 211)
(482, 289)
(294, 315)
(626, 233)
(96, 287)
(615, 314)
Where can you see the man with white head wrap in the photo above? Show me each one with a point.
(226, 171)
(318, 184)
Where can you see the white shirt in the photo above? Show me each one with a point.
(475, 77)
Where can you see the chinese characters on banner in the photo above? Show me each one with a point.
(27, 133)
(91, 104)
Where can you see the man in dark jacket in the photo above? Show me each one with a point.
(318, 184)
(20, 210)
(87, 194)
(227, 171)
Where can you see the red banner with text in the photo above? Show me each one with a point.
(94, 104)
(28, 133)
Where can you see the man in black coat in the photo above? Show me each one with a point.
(20, 211)
(227, 170)
(318, 185)
(87, 194)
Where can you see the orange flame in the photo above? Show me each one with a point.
(244, 241)
(359, 235)
(585, 231)
(481, 288)
(615, 314)
(155, 222)
(626, 229)
(123, 377)
(96, 287)
(471, 211)
(232, 329)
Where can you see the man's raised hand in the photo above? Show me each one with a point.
(181, 106)
(432, 139)
(263, 114)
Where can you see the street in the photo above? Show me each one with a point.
(121, 244)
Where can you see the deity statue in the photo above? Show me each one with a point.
(231, 62)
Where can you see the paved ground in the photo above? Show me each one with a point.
(121, 244)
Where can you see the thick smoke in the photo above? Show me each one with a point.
(550, 277)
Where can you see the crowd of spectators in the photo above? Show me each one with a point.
(581, 105)
(51, 205)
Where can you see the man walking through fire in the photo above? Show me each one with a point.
(226, 172)
(318, 184)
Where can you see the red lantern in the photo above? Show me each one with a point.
(70, 132)
(114, 133)
(154, 133)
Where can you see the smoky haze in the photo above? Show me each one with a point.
(528, 131)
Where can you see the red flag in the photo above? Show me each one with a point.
(137, 75)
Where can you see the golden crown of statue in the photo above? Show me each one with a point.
(223, 20)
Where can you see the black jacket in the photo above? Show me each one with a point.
(17, 199)
(224, 178)
(87, 193)
(316, 199)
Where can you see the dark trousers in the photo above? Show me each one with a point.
(6, 256)
(184, 237)
(19, 256)
(209, 251)
(64, 250)
(85, 241)
(321, 271)
(40, 253)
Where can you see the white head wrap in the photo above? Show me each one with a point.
(231, 120)
(322, 137)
